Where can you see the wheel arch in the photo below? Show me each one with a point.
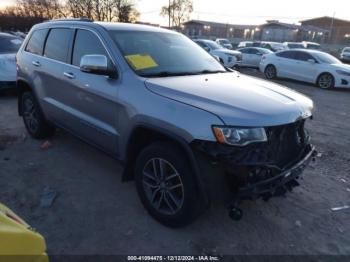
(22, 87)
(322, 73)
(143, 135)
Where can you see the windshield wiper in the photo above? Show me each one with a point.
(168, 74)
(203, 72)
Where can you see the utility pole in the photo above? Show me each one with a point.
(169, 11)
(331, 30)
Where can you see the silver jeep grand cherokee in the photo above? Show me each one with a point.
(174, 116)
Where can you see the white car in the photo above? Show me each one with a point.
(345, 55)
(245, 44)
(294, 45)
(251, 56)
(229, 58)
(311, 66)
(225, 43)
(9, 46)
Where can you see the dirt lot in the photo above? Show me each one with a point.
(95, 213)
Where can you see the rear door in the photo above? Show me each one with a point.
(89, 98)
(53, 83)
(255, 57)
(246, 56)
(305, 69)
(286, 64)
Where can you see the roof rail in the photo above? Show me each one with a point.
(83, 19)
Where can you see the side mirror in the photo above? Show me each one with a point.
(96, 64)
(217, 58)
(259, 54)
(311, 61)
(206, 48)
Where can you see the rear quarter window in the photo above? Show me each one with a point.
(36, 42)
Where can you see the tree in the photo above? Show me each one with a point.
(47, 9)
(178, 10)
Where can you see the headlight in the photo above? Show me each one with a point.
(239, 136)
(230, 58)
(343, 73)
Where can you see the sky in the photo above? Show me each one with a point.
(245, 12)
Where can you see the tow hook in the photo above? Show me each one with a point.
(234, 212)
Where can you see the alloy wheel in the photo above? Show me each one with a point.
(30, 115)
(270, 72)
(325, 81)
(163, 186)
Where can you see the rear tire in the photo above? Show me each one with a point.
(270, 72)
(325, 81)
(33, 118)
(166, 185)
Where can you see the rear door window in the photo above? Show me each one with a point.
(36, 42)
(58, 43)
(303, 56)
(287, 54)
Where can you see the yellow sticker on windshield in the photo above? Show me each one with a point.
(139, 62)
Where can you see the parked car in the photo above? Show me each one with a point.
(294, 45)
(345, 55)
(18, 239)
(311, 66)
(251, 56)
(9, 46)
(176, 122)
(311, 45)
(225, 43)
(273, 46)
(245, 44)
(229, 58)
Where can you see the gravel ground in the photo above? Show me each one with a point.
(95, 213)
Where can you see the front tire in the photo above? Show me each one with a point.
(166, 185)
(270, 72)
(325, 81)
(33, 118)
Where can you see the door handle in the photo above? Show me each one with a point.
(36, 63)
(69, 75)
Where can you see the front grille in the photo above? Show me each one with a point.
(286, 143)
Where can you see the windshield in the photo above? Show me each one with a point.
(327, 58)
(346, 50)
(9, 45)
(213, 45)
(295, 46)
(265, 51)
(224, 41)
(157, 54)
(313, 46)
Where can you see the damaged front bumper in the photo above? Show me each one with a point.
(278, 184)
(259, 170)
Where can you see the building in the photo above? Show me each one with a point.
(213, 30)
(277, 31)
(339, 30)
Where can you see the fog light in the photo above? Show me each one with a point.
(344, 82)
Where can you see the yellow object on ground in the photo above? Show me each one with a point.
(18, 242)
(139, 62)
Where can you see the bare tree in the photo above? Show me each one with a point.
(47, 9)
(178, 10)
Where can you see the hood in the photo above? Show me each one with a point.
(8, 70)
(237, 99)
(343, 67)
